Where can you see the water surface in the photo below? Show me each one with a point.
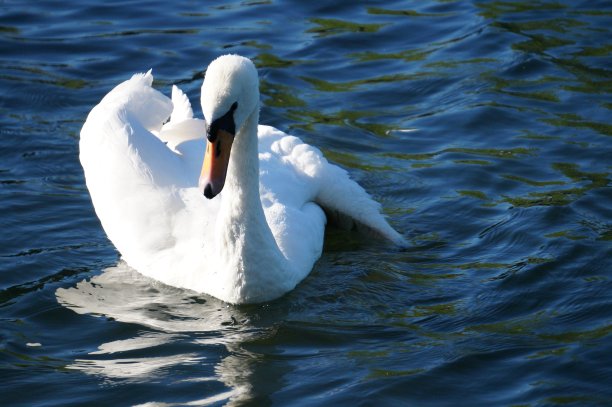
(482, 127)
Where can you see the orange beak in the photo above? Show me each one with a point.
(216, 161)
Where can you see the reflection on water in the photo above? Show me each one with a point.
(170, 317)
(125, 295)
(482, 127)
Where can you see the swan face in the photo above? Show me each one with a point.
(230, 94)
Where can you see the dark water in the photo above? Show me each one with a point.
(483, 127)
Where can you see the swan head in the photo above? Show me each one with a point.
(230, 94)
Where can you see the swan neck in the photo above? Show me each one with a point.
(254, 264)
(243, 171)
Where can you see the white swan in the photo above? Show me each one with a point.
(260, 235)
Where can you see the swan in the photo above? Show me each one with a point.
(222, 206)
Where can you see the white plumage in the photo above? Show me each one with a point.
(256, 239)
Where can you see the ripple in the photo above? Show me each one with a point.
(481, 127)
(327, 26)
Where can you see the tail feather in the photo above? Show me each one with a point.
(340, 193)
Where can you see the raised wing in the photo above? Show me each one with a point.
(133, 177)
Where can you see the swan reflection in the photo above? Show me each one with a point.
(179, 323)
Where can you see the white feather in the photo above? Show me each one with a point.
(253, 242)
(182, 108)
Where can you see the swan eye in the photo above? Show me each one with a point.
(225, 122)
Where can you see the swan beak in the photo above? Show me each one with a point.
(216, 160)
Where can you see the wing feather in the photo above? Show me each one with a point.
(329, 185)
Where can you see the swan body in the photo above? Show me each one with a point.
(223, 205)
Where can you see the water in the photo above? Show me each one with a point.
(483, 128)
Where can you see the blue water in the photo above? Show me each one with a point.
(483, 128)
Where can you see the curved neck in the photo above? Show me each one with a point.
(242, 181)
(252, 261)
